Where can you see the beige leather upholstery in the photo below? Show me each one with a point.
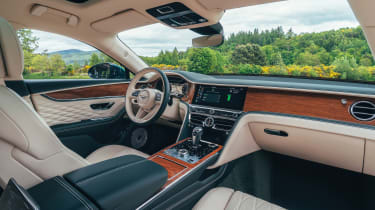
(224, 198)
(113, 151)
(29, 150)
(63, 112)
(11, 59)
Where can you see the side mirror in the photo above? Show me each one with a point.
(208, 41)
(106, 71)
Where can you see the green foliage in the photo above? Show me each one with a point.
(28, 42)
(202, 60)
(57, 63)
(249, 69)
(95, 59)
(307, 59)
(346, 67)
(248, 54)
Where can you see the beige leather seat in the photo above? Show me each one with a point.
(29, 150)
(225, 198)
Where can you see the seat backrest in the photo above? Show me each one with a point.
(29, 150)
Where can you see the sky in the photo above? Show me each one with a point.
(300, 15)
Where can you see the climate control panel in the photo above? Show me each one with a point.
(217, 119)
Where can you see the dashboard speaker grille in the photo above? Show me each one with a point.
(363, 110)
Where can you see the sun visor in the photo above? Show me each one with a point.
(54, 15)
(121, 22)
(226, 4)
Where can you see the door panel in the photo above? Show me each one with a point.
(84, 114)
(75, 104)
(57, 112)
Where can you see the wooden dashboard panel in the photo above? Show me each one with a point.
(175, 167)
(91, 92)
(319, 105)
(190, 95)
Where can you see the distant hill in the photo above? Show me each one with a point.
(74, 55)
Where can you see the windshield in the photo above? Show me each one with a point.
(295, 38)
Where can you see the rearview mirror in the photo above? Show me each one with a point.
(106, 71)
(208, 41)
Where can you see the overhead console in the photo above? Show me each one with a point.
(176, 15)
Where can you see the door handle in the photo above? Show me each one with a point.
(276, 132)
(102, 106)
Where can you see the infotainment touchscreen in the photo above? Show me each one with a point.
(220, 96)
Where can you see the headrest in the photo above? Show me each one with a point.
(11, 58)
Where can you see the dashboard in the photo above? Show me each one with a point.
(220, 96)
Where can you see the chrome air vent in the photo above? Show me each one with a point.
(197, 119)
(224, 124)
(363, 110)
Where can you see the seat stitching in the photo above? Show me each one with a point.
(77, 196)
(228, 201)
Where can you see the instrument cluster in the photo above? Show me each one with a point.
(179, 86)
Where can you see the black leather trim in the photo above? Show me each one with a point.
(46, 85)
(56, 193)
(18, 86)
(120, 183)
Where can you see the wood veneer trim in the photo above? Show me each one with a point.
(190, 95)
(325, 106)
(90, 92)
(189, 166)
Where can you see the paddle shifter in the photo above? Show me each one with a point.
(192, 150)
(197, 136)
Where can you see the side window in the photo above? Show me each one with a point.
(52, 56)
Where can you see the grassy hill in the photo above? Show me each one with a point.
(74, 55)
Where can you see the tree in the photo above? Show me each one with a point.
(346, 66)
(248, 54)
(307, 59)
(202, 60)
(41, 63)
(94, 59)
(174, 57)
(57, 63)
(29, 42)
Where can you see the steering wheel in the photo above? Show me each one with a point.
(144, 106)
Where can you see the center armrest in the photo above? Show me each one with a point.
(122, 183)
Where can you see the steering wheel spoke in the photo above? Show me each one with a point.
(141, 113)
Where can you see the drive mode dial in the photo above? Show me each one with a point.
(209, 122)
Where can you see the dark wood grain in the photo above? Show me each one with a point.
(171, 168)
(91, 92)
(189, 97)
(319, 105)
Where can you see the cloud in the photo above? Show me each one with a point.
(300, 15)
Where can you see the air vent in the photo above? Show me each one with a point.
(224, 124)
(363, 110)
(197, 119)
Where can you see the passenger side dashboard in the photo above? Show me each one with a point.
(315, 125)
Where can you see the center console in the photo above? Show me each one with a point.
(216, 109)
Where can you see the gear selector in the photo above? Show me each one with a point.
(192, 150)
